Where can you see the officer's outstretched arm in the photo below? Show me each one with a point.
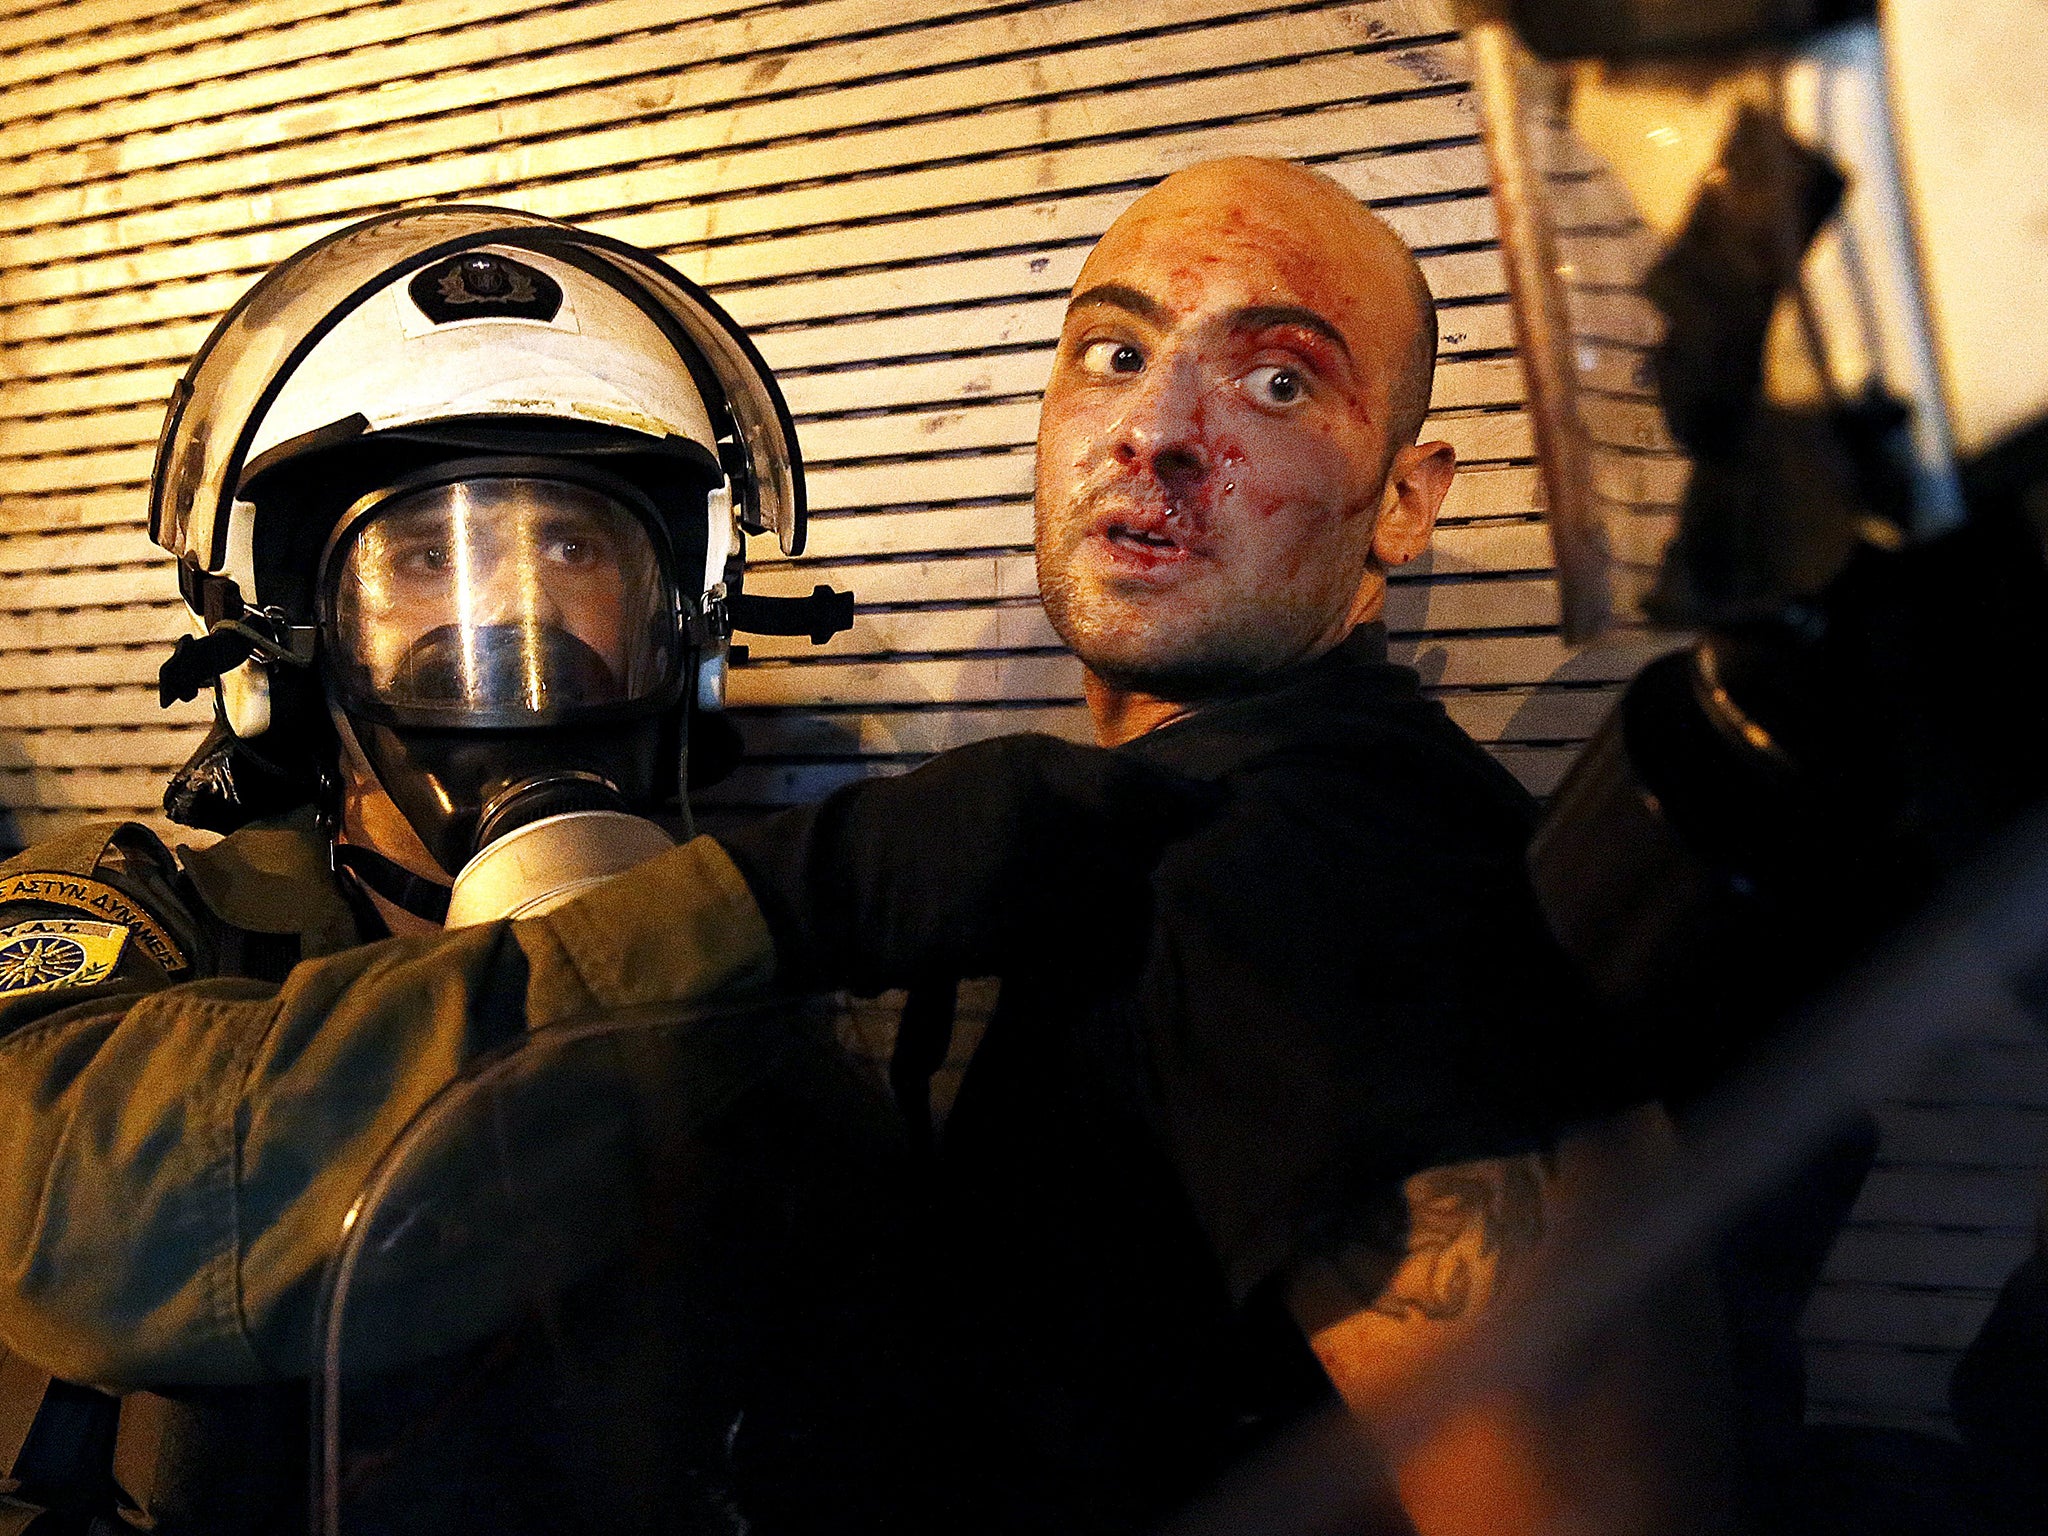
(1012, 856)
(179, 1163)
(1618, 1437)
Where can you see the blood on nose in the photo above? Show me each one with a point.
(1162, 431)
(1179, 467)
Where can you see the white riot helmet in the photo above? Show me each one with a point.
(479, 479)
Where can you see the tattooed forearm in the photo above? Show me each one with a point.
(1467, 1227)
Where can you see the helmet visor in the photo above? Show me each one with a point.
(501, 602)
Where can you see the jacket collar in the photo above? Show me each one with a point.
(275, 877)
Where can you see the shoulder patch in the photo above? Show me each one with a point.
(48, 953)
(101, 902)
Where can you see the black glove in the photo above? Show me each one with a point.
(1019, 855)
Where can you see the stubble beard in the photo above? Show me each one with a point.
(1197, 638)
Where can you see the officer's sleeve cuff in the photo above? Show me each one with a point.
(681, 928)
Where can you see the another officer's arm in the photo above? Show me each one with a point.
(180, 1162)
(1619, 1440)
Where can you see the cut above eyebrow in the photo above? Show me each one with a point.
(1262, 317)
(1119, 296)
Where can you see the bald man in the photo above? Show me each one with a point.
(1347, 1099)
(1228, 455)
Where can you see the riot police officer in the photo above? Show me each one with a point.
(459, 499)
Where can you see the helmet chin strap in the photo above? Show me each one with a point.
(423, 898)
(369, 818)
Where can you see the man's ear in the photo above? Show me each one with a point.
(1417, 482)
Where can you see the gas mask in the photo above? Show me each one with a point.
(460, 499)
(504, 642)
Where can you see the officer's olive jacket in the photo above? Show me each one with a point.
(179, 1157)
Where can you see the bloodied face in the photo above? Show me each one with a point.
(1214, 450)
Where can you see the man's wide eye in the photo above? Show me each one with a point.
(1111, 357)
(1274, 385)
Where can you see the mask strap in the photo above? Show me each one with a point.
(398, 885)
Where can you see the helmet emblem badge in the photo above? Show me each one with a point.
(479, 285)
